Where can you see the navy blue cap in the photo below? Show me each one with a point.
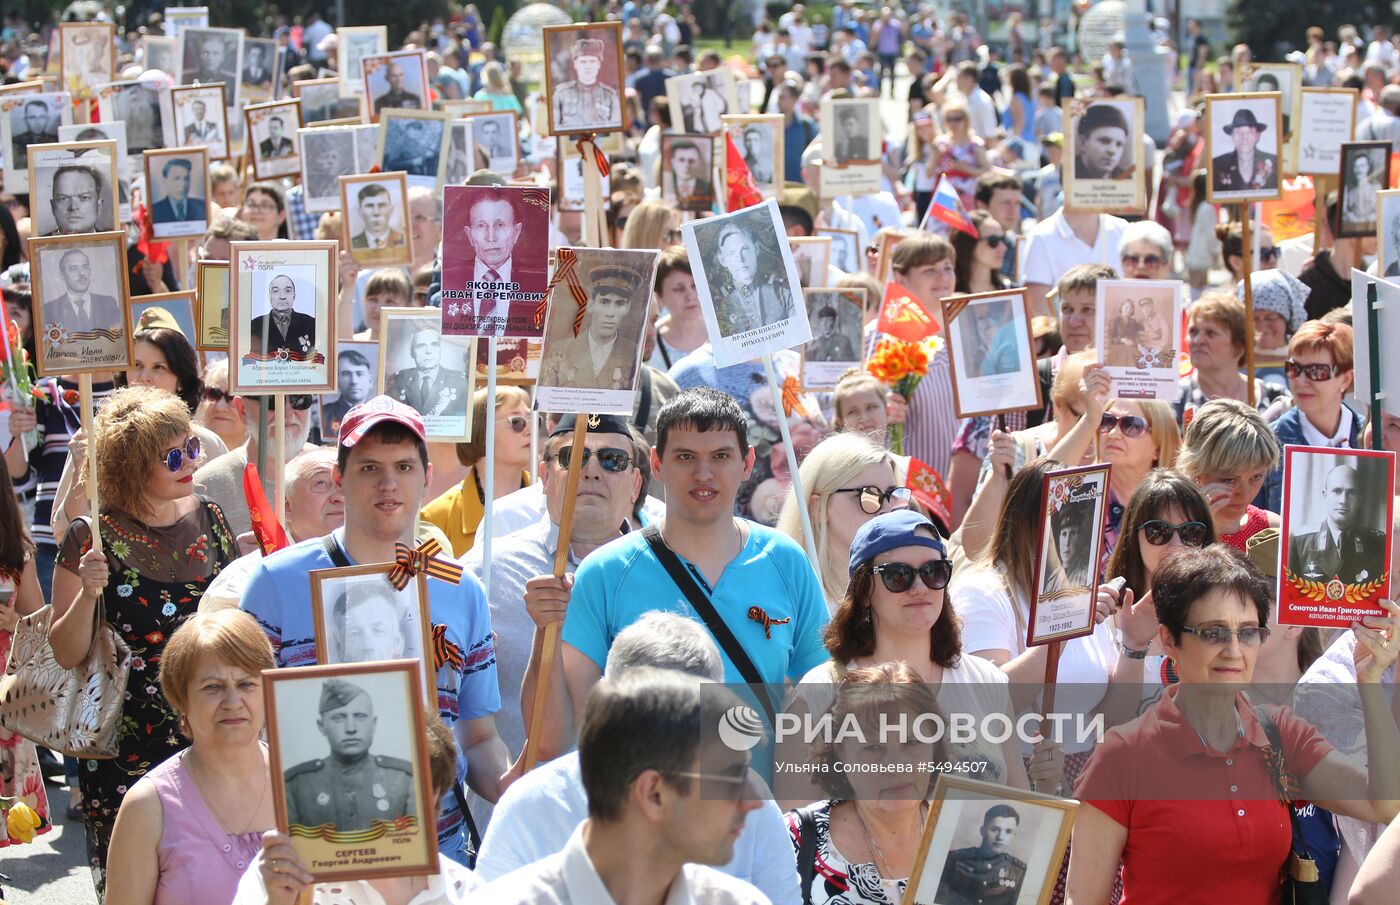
(597, 424)
(891, 531)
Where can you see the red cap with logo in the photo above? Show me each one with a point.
(358, 421)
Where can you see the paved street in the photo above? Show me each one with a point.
(52, 870)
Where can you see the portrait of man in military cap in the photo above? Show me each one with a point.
(1347, 515)
(584, 78)
(988, 872)
(351, 785)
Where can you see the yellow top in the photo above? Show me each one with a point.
(458, 512)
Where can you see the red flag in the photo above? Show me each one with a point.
(930, 491)
(153, 251)
(903, 316)
(741, 190)
(271, 536)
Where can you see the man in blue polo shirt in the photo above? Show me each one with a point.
(758, 580)
(382, 470)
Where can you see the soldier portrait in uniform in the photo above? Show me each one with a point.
(583, 77)
(603, 352)
(138, 105)
(357, 364)
(426, 370)
(395, 81)
(1244, 138)
(327, 153)
(987, 872)
(209, 55)
(686, 166)
(1336, 511)
(375, 208)
(417, 143)
(33, 120)
(348, 751)
(360, 617)
(758, 153)
(836, 316)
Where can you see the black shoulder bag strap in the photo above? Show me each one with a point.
(701, 602)
(1302, 882)
(341, 561)
(806, 852)
(644, 400)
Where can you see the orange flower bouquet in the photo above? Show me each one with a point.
(900, 365)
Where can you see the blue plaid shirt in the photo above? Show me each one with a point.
(303, 224)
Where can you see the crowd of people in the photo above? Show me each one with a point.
(1233, 741)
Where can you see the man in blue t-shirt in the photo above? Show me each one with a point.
(758, 580)
(382, 470)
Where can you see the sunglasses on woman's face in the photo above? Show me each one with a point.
(1317, 372)
(955, 119)
(1130, 425)
(214, 395)
(299, 402)
(994, 241)
(899, 577)
(1268, 253)
(1148, 260)
(1158, 532)
(517, 423)
(1219, 636)
(177, 456)
(872, 499)
(611, 458)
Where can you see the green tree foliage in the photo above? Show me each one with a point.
(1274, 29)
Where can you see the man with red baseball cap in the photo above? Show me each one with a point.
(383, 472)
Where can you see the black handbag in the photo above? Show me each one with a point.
(1302, 883)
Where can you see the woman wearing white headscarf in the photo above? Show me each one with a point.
(1278, 313)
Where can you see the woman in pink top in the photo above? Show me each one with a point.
(190, 827)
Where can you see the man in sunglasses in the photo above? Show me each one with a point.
(1344, 547)
(382, 469)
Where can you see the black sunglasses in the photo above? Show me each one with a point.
(1317, 372)
(612, 459)
(873, 499)
(1131, 425)
(177, 456)
(899, 577)
(1149, 260)
(994, 241)
(300, 402)
(1268, 253)
(214, 395)
(1158, 532)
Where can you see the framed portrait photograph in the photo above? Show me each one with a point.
(1243, 145)
(461, 153)
(687, 168)
(747, 281)
(851, 135)
(495, 260)
(1327, 121)
(1104, 140)
(1388, 234)
(416, 142)
(1070, 545)
(460, 107)
(212, 55)
(359, 617)
(177, 184)
(25, 120)
(593, 369)
(395, 81)
(427, 371)
(258, 77)
(89, 56)
(812, 255)
(1138, 325)
(1364, 174)
(1334, 552)
(80, 314)
(357, 373)
(376, 226)
(1388, 299)
(179, 305)
(352, 788)
(759, 139)
(161, 52)
(1287, 80)
(280, 296)
(179, 18)
(496, 137)
(322, 104)
(976, 829)
(837, 317)
(211, 305)
(271, 131)
(353, 44)
(517, 361)
(884, 255)
(991, 353)
(201, 118)
(327, 153)
(73, 188)
(846, 254)
(699, 100)
(113, 132)
(138, 105)
(583, 78)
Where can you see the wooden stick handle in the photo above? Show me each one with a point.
(279, 494)
(88, 415)
(1052, 674)
(1248, 258)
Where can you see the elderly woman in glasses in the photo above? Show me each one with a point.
(1229, 451)
(161, 546)
(1204, 767)
(1145, 251)
(218, 409)
(1279, 311)
(1216, 334)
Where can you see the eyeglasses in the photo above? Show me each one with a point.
(177, 456)
(671, 236)
(1219, 636)
(735, 784)
(214, 395)
(873, 499)
(1268, 253)
(899, 577)
(1130, 425)
(1159, 532)
(300, 402)
(955, 119)
(994, 241)
(1317, 372)
(1149, 260)
(611, 458)
(517, 423)
(263, 206)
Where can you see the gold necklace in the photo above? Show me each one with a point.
(877, 857)
(246, 822)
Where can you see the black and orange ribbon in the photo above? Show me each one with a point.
(445, 651)
(599, 157)
(757, 614)
(792, 398)
(409, 562)
(565, 271)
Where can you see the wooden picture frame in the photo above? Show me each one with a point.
(155, 163)
(230, 74)
(103, 343)
(162, 53)
(560, 75)
(323, 608)
(1224, 183)
(399, 247)
(981, 383)
(847, 255)
(334, 407)
(305, 361)
(460, 107)
(82, 81)
(736, 127)
(1094, 185)
(212, 306)
(403, 159)
(816, 249)
(179, 305)
(884, 257)
(144, 132)
(269, 165)
(181, 95)
(372, 63)
(400, 845)
(349, 70)
(256, 93)
(45, 162)
(1062, 601)
(338, 114)
(1357, 197)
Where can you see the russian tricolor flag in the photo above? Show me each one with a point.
(947, 208)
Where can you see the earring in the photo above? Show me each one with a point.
(868, 612)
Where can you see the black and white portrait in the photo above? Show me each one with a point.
(496, 140)
(812, 254)
(179, 18)
(687, 166)
(495, 259)
(178, 185)
(210, 55)
(460, 151)
(584, 77)
(327, 153)
(354, 43)
(29, 119)
(284, 314)
(161, 53)
(356, 368)
(1244, 146)
(88, 56)
(396, 81)
(272, 129)
(80, 288)
(416, 143)
(321, 102)
(845, 249)
(200, 119)
(1285, 78)
(1388, 243)
(375, 211)
(699, 100)
(427, 371)
(1365, 173)
(114, 132)
(836, 316)
(1073, 504)
(756, 143)
(1337, 516)
(258, 76)
(854, 134)
(283, 335)
(72, 188)
(138, 105)
(361, 618)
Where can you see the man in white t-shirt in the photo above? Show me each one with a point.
(1063, 240)
(979, 103)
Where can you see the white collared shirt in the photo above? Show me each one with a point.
(569, 878)
(1052, 248)
(82, 304)
(453, 884)
(495, 308)
(1314, 437)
